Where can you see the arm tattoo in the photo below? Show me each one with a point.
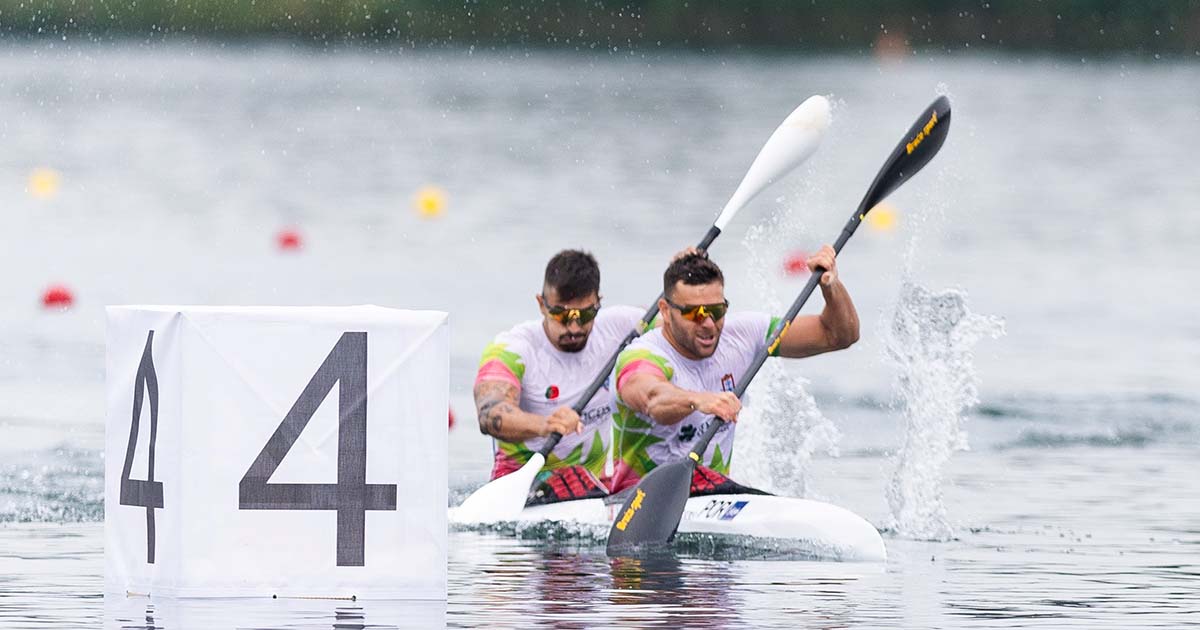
(490, 415)
(494, 401)
(497, 415)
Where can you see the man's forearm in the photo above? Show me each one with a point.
(501, 417)
(505, 421)
(839, 318)
(669, 404)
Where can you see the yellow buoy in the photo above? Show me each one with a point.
(430, 202)
(882, 217)
(43, 183)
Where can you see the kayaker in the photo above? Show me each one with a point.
(674, 380)
(531, 375)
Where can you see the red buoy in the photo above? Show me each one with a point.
(58, 297)
(451, 418)
(796, 263)
(289, 240)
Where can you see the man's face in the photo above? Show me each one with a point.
(568, 335)
(694, 339)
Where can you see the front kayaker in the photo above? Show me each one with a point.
(531, 376)
(674, 380)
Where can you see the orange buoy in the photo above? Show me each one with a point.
(58, 297)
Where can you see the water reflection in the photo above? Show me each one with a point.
(501, 582)
(700, 593)
(141, 613)
(570, 586)
(660, 588)
(133, 624)
(51, 576)
(506, 581)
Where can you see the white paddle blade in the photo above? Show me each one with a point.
(796, 139)
(502, 499)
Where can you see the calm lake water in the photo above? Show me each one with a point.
(1042, 265)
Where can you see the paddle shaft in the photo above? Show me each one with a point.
(761, 356)
(598, 382)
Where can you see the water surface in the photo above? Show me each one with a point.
(1062, 203)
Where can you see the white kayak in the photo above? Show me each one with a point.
(822, 530)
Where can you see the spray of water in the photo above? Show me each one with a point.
(930, 339)
(783, 428)
(780, 434)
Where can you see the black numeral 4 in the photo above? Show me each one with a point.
(351, 496)
(135, 492)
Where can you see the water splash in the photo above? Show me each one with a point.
(65, 485)
(930, 338)
(562, 532)
(784, 428)
(780, 434)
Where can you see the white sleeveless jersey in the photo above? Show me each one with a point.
(640, 443)
(550, 378)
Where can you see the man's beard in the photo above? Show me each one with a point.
(572, 343)
(696, 349)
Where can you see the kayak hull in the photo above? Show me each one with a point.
(824, 530)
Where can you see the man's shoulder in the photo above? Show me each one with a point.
(650, 340)
(650, 344)
(651, 349)
(750, 325)
(619, 317)
(520, 337)
(746, 317)
(622, 310)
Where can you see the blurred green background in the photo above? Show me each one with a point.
(1164, 27)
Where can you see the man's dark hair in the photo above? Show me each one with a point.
(693, 269)
(573, 274)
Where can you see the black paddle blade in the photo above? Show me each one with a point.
(918, 146)
(651, 514)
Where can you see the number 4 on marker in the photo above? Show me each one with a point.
(351, 496)
(135, 492)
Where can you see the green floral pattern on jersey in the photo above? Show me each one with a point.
(719, 463)
(631, 438)
(593, 461)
